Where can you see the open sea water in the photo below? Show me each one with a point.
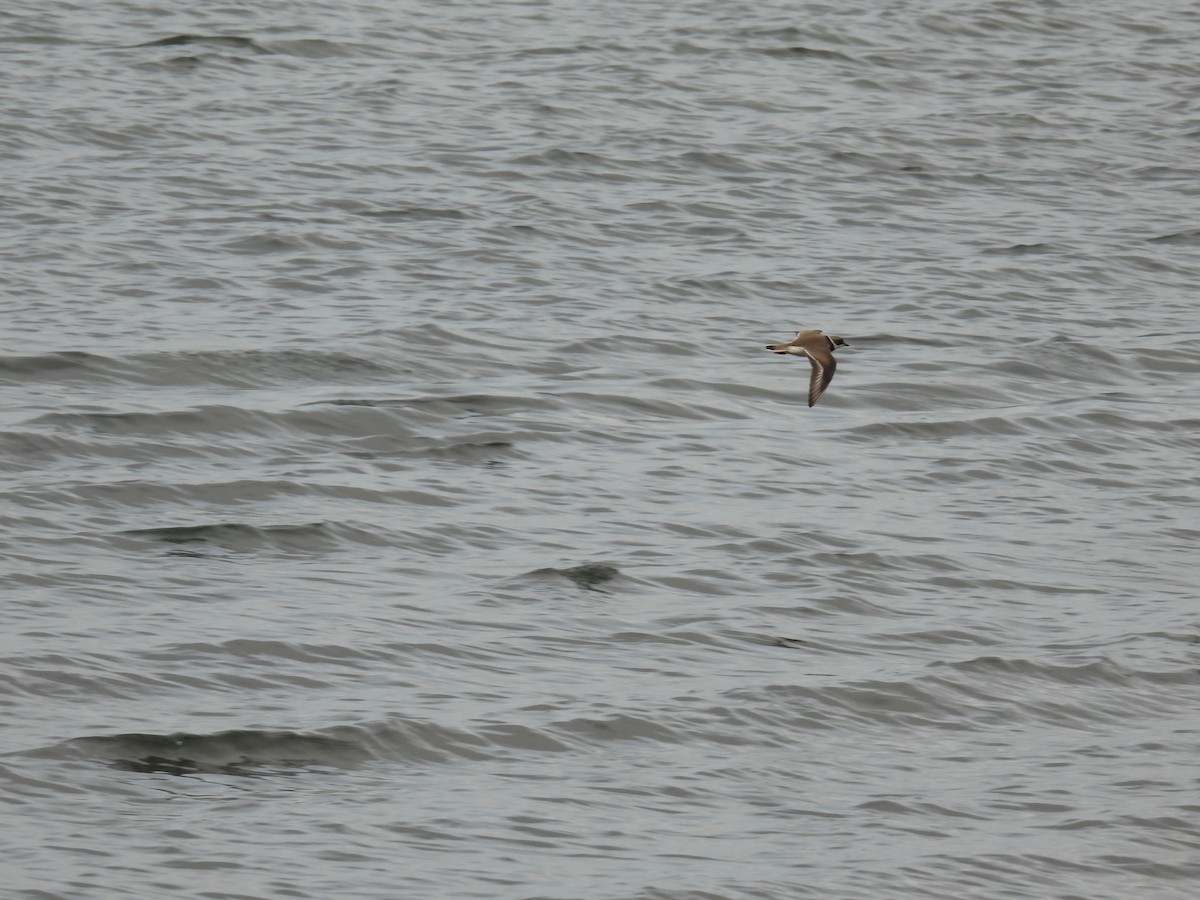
(397, 500)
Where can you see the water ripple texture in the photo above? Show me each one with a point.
(398, 500)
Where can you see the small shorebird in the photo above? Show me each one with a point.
(819, 349)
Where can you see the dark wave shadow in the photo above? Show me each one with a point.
(245, 752)
(223, 41)
(306, 538)
(595, 576)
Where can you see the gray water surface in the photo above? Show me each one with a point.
(398, 501)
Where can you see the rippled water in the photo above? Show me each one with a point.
(398, 501)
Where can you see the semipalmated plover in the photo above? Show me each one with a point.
(819, 349)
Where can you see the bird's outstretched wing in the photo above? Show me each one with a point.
(823, 367)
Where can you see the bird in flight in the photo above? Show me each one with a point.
(819, 349)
